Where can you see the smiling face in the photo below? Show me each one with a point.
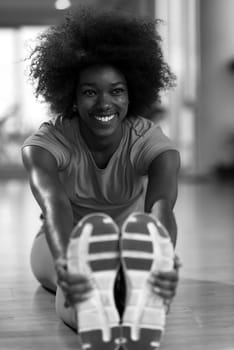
(102, 101)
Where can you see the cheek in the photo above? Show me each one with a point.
(84, 105)
(126, 105)
(124, 102)
(124, 110)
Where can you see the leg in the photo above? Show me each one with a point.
(67, 314)
(42, 262)
(94, 251)
(145, 246)
(43, 269)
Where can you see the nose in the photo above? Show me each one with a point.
(104, 101)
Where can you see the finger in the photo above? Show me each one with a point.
(77, 298)
(62, 274)
(177, 262)
(164, 284)
(63, 285)
(162, 275)
(62, 280)
(77, 278)
(164, 288)
(167, 304)
(164, 293)
(80, 288)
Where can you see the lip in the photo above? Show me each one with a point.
(95, 117)
(103, 114)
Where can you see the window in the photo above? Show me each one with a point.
(20, 112)
(180, 46)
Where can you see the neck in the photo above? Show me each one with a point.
(98, 144)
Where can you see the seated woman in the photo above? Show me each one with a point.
(105, 178)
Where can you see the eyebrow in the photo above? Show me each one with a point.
(94, 84)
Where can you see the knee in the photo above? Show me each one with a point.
(42, 263)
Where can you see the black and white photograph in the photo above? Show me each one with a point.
(117, 174)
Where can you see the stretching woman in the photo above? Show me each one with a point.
(99, 167)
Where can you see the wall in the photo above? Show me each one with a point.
(15, 13)
(215, 111)
(142, 7)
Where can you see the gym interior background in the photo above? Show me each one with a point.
(198, 115)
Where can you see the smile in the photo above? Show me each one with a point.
(106, 118)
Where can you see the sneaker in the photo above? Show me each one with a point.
(145, 246)
(94, 251)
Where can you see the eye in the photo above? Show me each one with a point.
(89, 92)
(118, 91)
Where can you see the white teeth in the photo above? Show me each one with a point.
(104, 119)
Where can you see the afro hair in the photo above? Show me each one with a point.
(88, 37)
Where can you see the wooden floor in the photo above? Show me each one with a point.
(202, 315)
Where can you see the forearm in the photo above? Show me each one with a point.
(58, 225)
(51, 196)
(57, 213)
(164, 213)
(162, 189)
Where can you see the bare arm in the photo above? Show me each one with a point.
(162, 187)
(51, 197)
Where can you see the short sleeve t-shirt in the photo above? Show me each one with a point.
(118, 189)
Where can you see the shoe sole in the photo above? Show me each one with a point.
(94, 251)
(145, 247)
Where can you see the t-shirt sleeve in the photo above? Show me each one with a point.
(53, 141)
(148, 146)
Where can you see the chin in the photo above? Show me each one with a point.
(103, 133)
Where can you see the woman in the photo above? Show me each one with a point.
(99, 72)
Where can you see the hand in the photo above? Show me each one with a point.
(165, 284)
(76, 287)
